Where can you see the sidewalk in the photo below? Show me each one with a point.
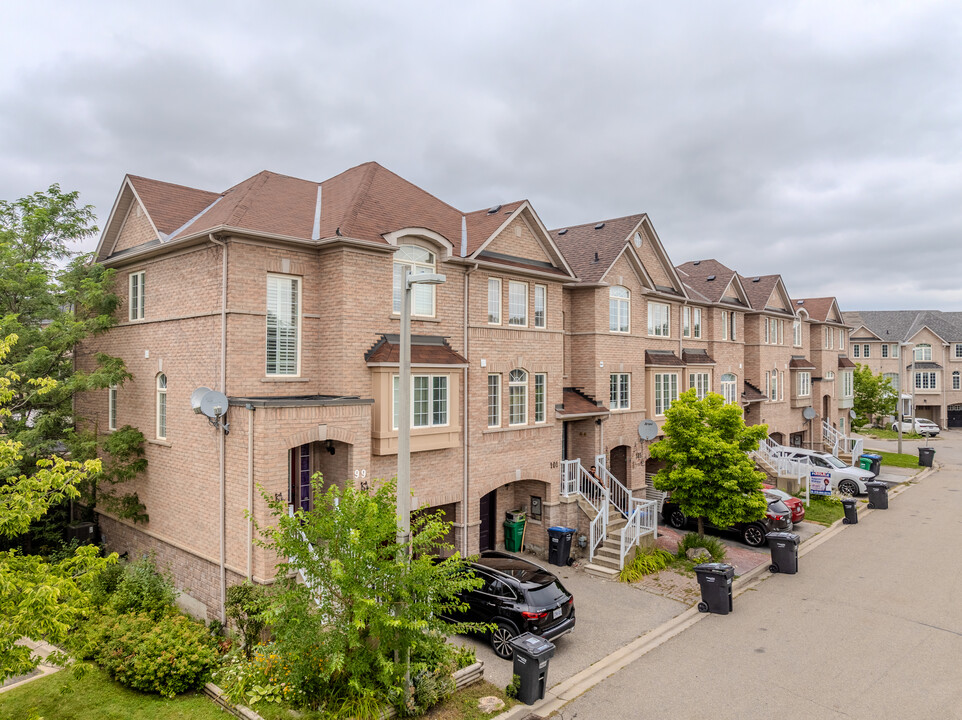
(40, 649)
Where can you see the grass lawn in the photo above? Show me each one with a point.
(63, 697)
(461, 706)
(895, 459)
(823, 510)
(887, 434)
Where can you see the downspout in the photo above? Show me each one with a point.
(464, 406)
(250, 492)
(223, 438)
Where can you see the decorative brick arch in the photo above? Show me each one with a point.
(321, 433)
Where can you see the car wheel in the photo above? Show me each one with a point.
(501, 640)
(848, 487)
(702, 607)
(677, 519)
(754, 535)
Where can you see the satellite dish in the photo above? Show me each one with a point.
(851, 414)
(647, 429)
(213, 404)
(809, 413)
(196, 396)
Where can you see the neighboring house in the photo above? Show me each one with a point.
(821, 329)
(540, 347)
(920, 351)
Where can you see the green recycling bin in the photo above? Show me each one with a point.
(513, 532)
(865, 463)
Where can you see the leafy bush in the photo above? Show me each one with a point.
(263, 678)
(246, 604)
(166, 656)
(104, 584)
(714, 546)
(644, 563)
(514, 688)
(464, 656)
(144, 589)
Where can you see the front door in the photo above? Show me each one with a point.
(618, 464)
(955, 416)
(488, 529)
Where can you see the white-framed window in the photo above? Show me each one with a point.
(691, 322)
(161, 406)
(773, 395)
(925, 381)
(666, 391)
(418, 261)
(283, 325)
(958, 351)
(781, 385)
(923, 353)
(494, 301)
(619, 309)
(841, 342)
(848, 384)
(728, 388)
(137, 303)
(856, 350)
(841, 420)
(517, 397)
(619, 391)
(768, 383)
(866, 351)
(429, 401)
(540, 387)
(112, 408)
(956, 381)
(797, 333)
(804, 383)
(895, 350)
(893, 378)
(494, 400)
(885, 350)
(829, 376)
(540, 306)
(517, 303)
(699, 381)
(724, 323)
(732, 325)
(659, 319)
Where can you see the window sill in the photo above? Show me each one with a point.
(284, 379)
(515, 428)
(162, 443)
(416, 318)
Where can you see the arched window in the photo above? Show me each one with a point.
(923, 353)
(517, 397)
(619, 319)
(728, 387)
(161, 406)
(418, 261)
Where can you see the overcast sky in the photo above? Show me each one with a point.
(819, 140)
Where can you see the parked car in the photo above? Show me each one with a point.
(791, 502)
(777, 517)
(920, 426)
(846, 479)
(517, 596)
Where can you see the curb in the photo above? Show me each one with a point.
(567, 690)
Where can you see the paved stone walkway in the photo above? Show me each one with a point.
(41, 650)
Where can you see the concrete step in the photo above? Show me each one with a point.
(602, 571)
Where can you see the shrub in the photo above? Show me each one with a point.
(246, 604)
(464, 656)
(144, 589)
(166, 656)
(644, 563)
(514, 688)
(714, 546)
(262, 679)
(105, 583)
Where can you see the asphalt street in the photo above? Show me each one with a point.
(870, 627)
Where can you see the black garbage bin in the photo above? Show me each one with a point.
(531, 655)
(715, 580)
(559, 544)
(873, 462)
(851, 514)
(784, 546)
(926, 454)
(878, 494)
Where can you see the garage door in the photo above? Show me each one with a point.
(955, 415)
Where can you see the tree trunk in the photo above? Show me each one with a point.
(701, 526)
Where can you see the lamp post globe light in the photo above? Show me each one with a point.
(404, 404)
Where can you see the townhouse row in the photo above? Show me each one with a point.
(542, 346)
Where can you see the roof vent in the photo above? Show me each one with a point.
(493, 210)
(756, 279)
(599, 226)
(710, 278)
(697, 262)
(562, 232)
(799, 302)
(596, 257)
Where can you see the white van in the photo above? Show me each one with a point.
(846, 479)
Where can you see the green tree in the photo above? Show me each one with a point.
(875, 397)
(39, 599)
(707, 468)
(345, 628)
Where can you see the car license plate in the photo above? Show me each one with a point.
(556, 614)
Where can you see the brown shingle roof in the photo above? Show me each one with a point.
(759, 291)
(169, 205)
(481, 224)
(425, 350)
(663, 358)
(844, 362)
(817, 308)
(696, 357)
(798, 362)
(576, 403)
(752, 394)
(697, 272)
(580, 243)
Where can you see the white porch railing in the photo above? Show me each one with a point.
(841, 443)
(619, 495)
(642, 520)
(575, 480)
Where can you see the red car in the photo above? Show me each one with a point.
(794, 504)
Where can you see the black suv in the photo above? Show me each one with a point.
(777, 517)
(517, 597)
